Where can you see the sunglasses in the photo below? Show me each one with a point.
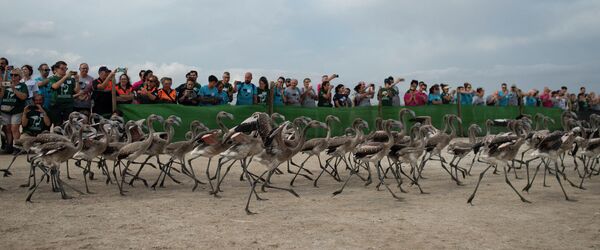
(15, 75)
(45, 70)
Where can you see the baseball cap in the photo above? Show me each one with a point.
(103, 69)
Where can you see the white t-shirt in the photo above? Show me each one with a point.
(32, 87)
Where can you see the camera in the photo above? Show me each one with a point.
(73, 73)
(336, 75)
(122, 70)
(6, 84)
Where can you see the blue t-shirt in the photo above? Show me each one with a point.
(434, 97)
(531, 101)
(466, 98)
(205, 91)
(224, 97)
(245, 93)
(277, 97)
(45, 91)
(503, 98)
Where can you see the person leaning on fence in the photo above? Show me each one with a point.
(192, 75)
(209, 94)
(386, 93)
(503, 95)
(42, 83)
(188, 96)
(531, 98)
(227, 87)
(143, 81)
(513, 96)
(32, 87)
(64, 85)
(278, 95)
(223, 95)
(11, 107)
(466, 94)
(262, 92)
(246, 91)
(102, 91)
(124, 90)
(167, 94)
(363, 94)
(83, 99)
(412, 97)
(479, 98)
(35, 119)
(148, 94)
(292, 93)
(340, 99)
(447, 96)
(435, 97)
(325, 95)
(546, 98)
(492, 100)
(308, 95)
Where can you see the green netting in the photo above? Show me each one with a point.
(207, 114)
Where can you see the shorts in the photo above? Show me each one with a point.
(12, 119)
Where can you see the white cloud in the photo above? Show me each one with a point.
(41, 28)
(31, 55)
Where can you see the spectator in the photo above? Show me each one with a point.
(278, 95)
(139, 84)
(227, 87)
(192, 75)
(288, 81)
(435, 97)
(582, 101)
(32, 87)
(513, 96)
(466, 95)
(124, 90)
(292, 93)
(326, 78)
(582, 91)
(223, 94)
(64, 85)
(307, 95)
(492, 100)
(11, 107)
(246, 91)
(209, 94)
(348, 99)
(35, 119)
(188, 96)
(102, 88)
(396, 101)
(148, 94)
(479, 99)
(572, 103)
(532, 99)
(263, 90)
(83, 99)
(141, 81)
(387, 93)
(42, 83)
(363, 95)
(167, 94)
(410, 97)
(340, 99)
(447, 96)
(558, 101)
(325, 95)
(546, 98)
(422, 94)
(503, 95)
(594, 101)
(563, 91)
(5, 69)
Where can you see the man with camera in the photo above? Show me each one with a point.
(64, 84)
(308, 96)
(364, 94)
(209, 95)
(35, 119)
(14, 94)
(102, 87)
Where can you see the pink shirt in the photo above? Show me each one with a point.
(408, 99)
(421, 98)
(546, 101)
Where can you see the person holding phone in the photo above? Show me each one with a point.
(11, 107)
(35, 119)
(308, 96)
(209, 95)
(64, 85)
(325, 95)
(83, 99)
(42, 83)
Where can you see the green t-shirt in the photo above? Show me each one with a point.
(11, 104)
(35, 123)
(386, 96)
(64, 94)
(323, 102)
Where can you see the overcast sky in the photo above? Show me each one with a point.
(528, 43)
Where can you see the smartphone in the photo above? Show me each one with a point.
(73, 73)
(122, 70)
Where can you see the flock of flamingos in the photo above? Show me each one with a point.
(398, 153)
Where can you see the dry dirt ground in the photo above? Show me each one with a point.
(361, 217)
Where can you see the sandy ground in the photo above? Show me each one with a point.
(359, 218)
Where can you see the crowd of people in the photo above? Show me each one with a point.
(34, 104)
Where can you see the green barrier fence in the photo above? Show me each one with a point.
(207, 114)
